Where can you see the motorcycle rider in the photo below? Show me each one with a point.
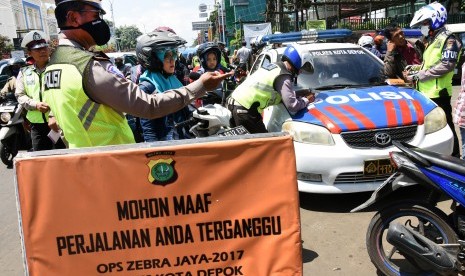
(224, 61)
(123, 68)
(29, 94)
(8, 91)
(85, 91)
(210, 56)
(268, 86)
(157, 51)
(434, 79)
(367, 42)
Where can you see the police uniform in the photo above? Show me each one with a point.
(88, 96)
(29, 94)
(268, 86)
(435, 77)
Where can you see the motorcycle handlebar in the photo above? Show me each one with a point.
(185, 123)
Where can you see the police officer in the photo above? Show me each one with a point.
(28, 91)
(88, 95)
(224, 54)
(8, 91)
(434, 78)
(268, 86)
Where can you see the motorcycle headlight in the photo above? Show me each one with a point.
(308, 133)
(5, 117)
(435, 120)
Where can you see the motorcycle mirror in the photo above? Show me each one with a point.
(194, 76)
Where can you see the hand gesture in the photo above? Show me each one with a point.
(310, 97)
(43, 107)
(391, 46)
(212, 80)
(52, 124)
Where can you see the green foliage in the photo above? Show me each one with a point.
(126, 37)
(5, 46)
(236, 42)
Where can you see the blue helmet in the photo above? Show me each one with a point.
(291, 55)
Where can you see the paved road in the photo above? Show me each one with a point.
(333, 238)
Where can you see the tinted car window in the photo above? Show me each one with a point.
(257, 64)
(341, 67)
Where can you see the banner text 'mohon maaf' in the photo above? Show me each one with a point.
(163, 207)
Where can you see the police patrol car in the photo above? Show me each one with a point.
(342, 141)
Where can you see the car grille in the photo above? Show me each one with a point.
(366, 138)
(359, 178)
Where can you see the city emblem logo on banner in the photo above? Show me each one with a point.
(162, 171)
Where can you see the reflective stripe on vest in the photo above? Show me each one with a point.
(431, 57)
(31, 81)
(258, 88)
(84, 122)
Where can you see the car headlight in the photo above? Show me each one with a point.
(5, 117)
(308, 133)
(435, 120)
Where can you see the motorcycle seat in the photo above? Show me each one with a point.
(441, 160)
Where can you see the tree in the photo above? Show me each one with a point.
(126, 37)
(5, 46)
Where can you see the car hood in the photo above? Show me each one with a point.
(367, 108)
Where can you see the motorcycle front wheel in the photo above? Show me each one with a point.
(7, 154)
(427, 220)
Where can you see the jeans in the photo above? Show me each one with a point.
(162, 129)
(444, 103)
(462, 135)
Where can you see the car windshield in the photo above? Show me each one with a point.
(340, 68)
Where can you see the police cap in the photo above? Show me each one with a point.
(34, 40)
(95, 3)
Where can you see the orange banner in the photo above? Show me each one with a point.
(213, 206)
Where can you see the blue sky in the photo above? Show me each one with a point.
(149, 14)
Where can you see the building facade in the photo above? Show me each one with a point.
(17, 17)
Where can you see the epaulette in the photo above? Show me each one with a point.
(100, 56)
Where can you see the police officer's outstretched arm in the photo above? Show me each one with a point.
(107, 87)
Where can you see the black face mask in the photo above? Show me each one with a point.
(98, 30)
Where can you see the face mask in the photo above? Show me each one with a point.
(424, 30)
(98, 30)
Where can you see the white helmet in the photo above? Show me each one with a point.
(34, 40)
(435, 12)
(366, 40)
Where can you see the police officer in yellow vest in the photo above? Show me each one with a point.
(439, 60)
(269, 86)
(29, 94)
(87, 94)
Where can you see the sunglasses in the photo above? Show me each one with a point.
(100, 12)
(167, 54)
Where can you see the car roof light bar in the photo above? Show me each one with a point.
(307, 35)
(412, 32)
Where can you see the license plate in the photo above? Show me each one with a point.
(378, 167)
(239, 130)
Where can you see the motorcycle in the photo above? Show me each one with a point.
(210, 120)
(13, 135)
(220, 94)
(412, 236)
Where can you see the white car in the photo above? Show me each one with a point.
(342, 141)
